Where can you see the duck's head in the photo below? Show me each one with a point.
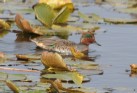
(88, 38)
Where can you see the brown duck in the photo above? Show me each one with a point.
(63, 46)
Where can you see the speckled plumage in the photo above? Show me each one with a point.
(58, 45)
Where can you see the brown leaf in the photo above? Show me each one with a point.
(18, 19)
(27, 27)
(53, 60)
(133, 68)
(27, 57)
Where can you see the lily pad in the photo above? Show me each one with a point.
(66, 76)
(53, 60)
(62, 16)
(4, 25)
(131, 10)
(83, 16)
(28, 57)
(6, 76)
(57, 4)
(44, 13)
(121, 21)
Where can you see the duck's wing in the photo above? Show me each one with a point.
(54, 44)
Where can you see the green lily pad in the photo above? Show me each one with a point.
(5, 76)
(44, 13)
(120, 21)
(131, 10)
(62, 16)
(66, 76)
(34, 91)
(73, 19)
(83, 16)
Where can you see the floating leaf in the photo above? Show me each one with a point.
(73, 19)
(28, 57)
(66, 76)
(133, 68)
(68, 28)
(34, 91)
(4, 25)
(70, 6)
(18, 19)
(77, 78)
(53, 60)
(132, 10)
(16, 77)
(83, 16)
(44, 13)
(3, 76)
(23, 24)
(79, 55)
(26, 27)
(62, 16)
(96, 17)
(56, 4)
(12, 86)
(57, 86)
(120, 21)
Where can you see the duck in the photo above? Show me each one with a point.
(63, 46)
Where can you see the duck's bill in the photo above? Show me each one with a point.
(97, 43)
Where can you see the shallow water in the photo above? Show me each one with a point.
(118, 50)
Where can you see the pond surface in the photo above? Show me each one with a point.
(118, 50)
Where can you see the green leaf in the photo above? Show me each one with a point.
(67, 76)
(132, 10)
(96, 17)
(44, 13)
(83, 16)
(34, 91)
(120, 21)
(3, 76)
(62, 16)
(16, 77)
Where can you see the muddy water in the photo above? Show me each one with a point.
(118, 51)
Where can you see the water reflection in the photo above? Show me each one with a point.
(21, 37)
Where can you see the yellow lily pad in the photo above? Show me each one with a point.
(4, 25)
(55, 4)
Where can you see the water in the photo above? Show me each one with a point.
(118, 50)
